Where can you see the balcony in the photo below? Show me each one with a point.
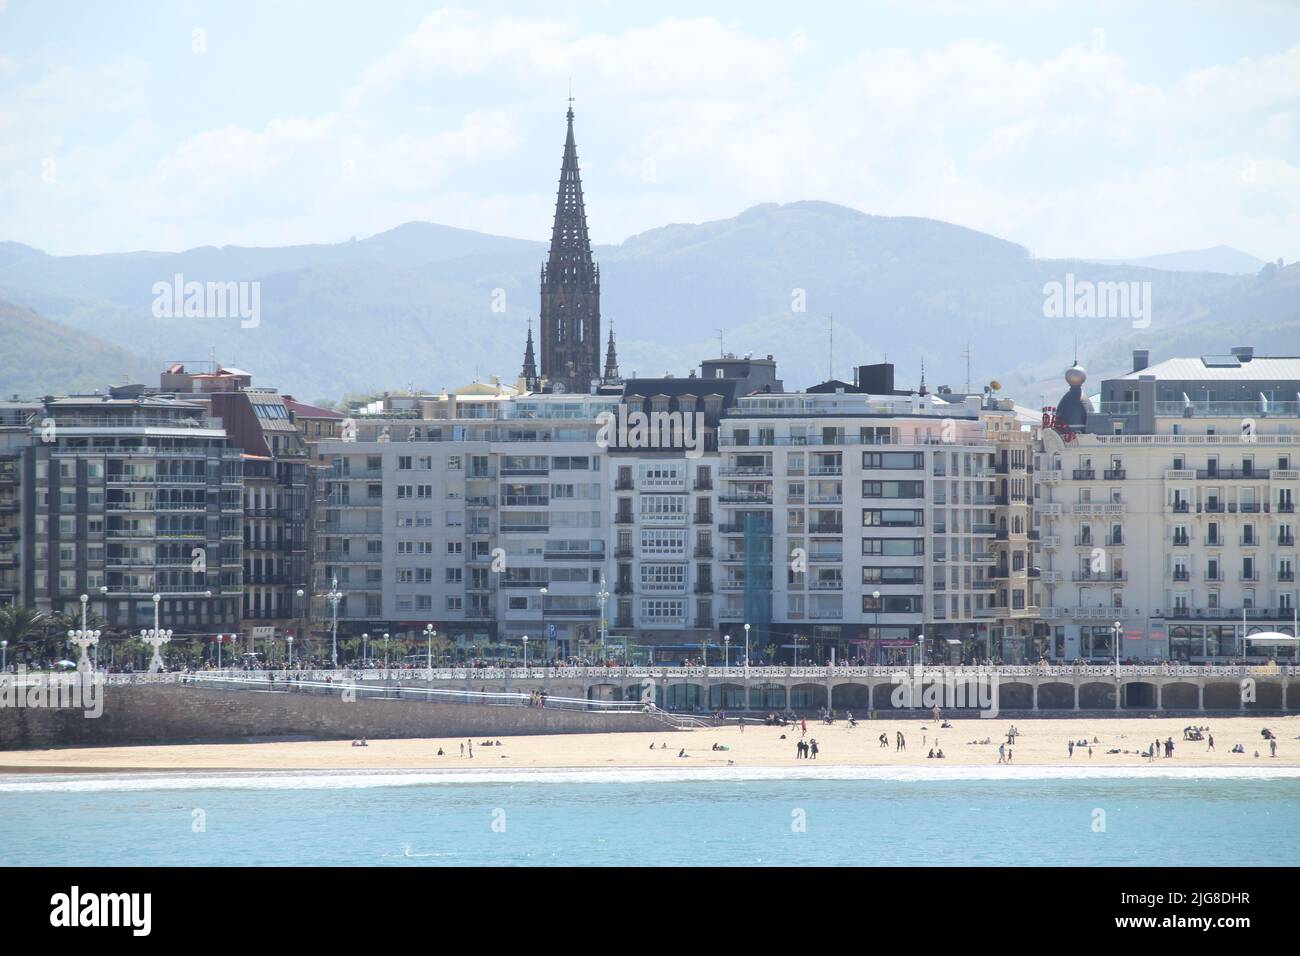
(822, 527)
(1182, 541)
(623, 551)
(703, 517)
(623, 484)
(701, 551)
(1181, 507)
(1232, 473)
(704, 587)
(1286, 576)
(1115, 474)
(1181, 574)
(1084, 474)
(1286, 507)
(1286, 541)
(623, 517)
(703, 484)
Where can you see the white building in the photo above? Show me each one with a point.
(1170, 510)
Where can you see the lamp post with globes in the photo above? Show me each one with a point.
(604, 596)
(1119, 687)
(290, 641)
(334, 596)
(726, 653)
(525, 652)
(84, 638)
(156, 638)
(4, 659)
(365, 637)
(875, 603)
(430, 632)
(543, 591)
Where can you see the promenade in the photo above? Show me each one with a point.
(1145, 688)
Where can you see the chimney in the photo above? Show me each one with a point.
(1141, 359)
(1244, 353)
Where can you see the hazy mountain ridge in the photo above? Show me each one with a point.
(433, 306)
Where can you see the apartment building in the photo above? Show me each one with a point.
(1169, 509)
(486, 516)
(15, 440)
(127, 495)
(874, 522)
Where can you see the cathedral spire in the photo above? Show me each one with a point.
(529, 373)
(611, 376)
(570, 293)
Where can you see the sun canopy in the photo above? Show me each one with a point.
(1272, 639)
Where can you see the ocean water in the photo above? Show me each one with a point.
(836, 816)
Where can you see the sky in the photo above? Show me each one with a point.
(1091, 129)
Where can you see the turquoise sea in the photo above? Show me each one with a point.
(837, 816)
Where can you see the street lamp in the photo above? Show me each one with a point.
(543, 591)
(364, 637)
(289, 638)
(385, 655)
(84, 637)
(875, 603)
(156, 638)
(334, 596)
(604, 596)
(525, 652)
(1118, 627)
(429, 632)
(4, 645)
(726, 653)
(746, 651)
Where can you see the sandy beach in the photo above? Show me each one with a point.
(1040, 743)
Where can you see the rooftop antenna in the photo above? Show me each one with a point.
(967, 354)
(830, 347)
(722, 352)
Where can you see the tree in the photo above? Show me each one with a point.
(18, 624)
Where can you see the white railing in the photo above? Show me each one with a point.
(733, 673)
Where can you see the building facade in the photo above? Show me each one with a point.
(1168, 513)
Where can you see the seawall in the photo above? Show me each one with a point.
(165, 714)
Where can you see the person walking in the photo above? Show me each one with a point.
(1071, 748)
(884, 740)
(1002, 753)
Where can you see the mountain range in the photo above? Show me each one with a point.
(821, 287)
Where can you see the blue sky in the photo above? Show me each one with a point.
(1076, 128)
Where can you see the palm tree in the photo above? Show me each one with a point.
(18, 624)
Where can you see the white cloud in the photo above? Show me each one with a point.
(1069, 152)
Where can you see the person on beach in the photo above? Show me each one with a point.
(812, 748)
(803, 728)
(900, 742)
(1009, 755)
(1210, 739)
(1071, 748)
(884, 741)
(471, 749)
(1002, 753)
(462, 750)
(1272, 746)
